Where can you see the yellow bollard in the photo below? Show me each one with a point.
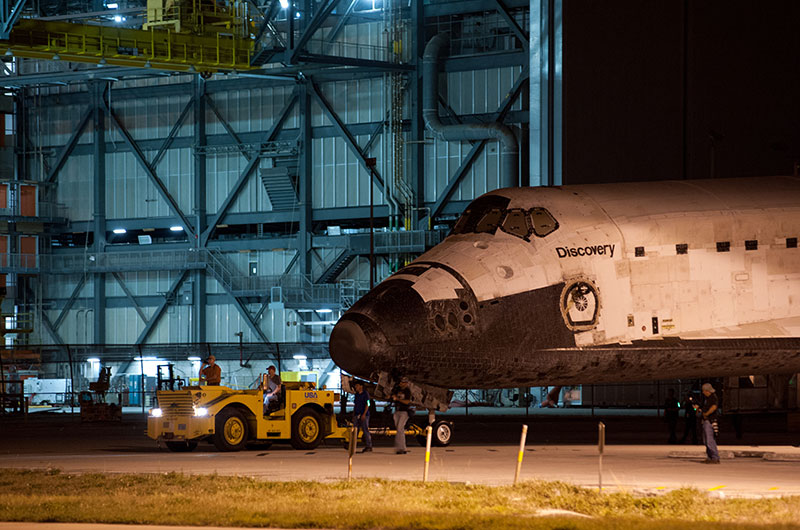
(429, 433)
(521, 452)
(601, 445)
(351, 451)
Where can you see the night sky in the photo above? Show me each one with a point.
(636, 107)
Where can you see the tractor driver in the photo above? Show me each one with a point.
(272, 391)
(210, 372)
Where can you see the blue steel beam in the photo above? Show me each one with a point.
(305, 164)
(162, 189)
(277, 77)
(319, 17)
(169, 295)
(417, 126)
(67, 150)
(227, 126)
(337, 60)
(70, 302)
(269, 13)
(242, 308)
(9, 16)
(129, 295)
(200, 295)
(466, 163)
(502, 10)
(172, 133)
(334, 32)
(98, 90)
(248, 170)
(50, 330)
(349, 139)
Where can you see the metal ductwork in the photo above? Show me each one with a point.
(509, 156)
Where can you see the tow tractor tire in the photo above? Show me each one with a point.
(181, 447)
(307, 429)
(230, 431)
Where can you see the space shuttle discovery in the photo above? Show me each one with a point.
(592, 284)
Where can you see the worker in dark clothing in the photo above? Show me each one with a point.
(671, 412)
(401, 397)
(210, 372)
(709, 423)
(271, 385)
(361, 415)
(690, 419)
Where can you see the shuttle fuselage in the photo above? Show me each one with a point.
(593, 283)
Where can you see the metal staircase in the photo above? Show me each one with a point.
(280, 187)
(338, 266)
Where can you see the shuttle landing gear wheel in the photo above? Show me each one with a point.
(230, 433)
(442, 434)
(181, 447)
(306, 430)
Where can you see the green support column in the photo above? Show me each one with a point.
(546, 133)
(305, 167)
(97, 90)
(198, 331)
(417, 147)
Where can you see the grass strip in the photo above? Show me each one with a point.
(177, 499)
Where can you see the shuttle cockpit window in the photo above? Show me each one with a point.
(516, 223)
(543, 222)
(490, 221)
(486, 211)
(490, 212)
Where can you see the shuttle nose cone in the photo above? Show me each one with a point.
(369, 336)
(350, 348)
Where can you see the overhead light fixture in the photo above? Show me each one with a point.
(299, 357)
(285, 4)
(118, 18)
(176, 229)
(323, 311)
(194, 359)
(147, 64)
(120, 231)
(9, 53)
(192, 69)
(92, 360)
(102, 62)
(56, 57)
(112, 6)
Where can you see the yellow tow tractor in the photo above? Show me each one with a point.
(231, 418)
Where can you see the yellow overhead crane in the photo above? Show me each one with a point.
(182, 35)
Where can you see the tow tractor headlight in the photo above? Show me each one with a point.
(156, 413)
(200, 411)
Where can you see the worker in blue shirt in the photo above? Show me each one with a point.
(361, 414)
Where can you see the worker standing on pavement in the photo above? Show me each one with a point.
(401, 397)
(361, 414)
(709, 417)
(210, 372)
